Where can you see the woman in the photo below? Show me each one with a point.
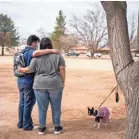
(48, 84)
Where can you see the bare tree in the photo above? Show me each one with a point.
(132, 28)
(42, 33)
(67, 41)
(138, 34)
(133, 35)
(126, 70)
(91, 28)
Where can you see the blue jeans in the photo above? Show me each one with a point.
(43, 97)
(26, 103)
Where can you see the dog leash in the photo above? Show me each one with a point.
(116, 87)
(108, 95)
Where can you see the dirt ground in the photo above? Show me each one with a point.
(88, 83)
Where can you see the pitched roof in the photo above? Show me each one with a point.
(79, 48)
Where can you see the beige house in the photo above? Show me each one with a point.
(12, 50)
(19, 48)
(7, 51)
(79, 49)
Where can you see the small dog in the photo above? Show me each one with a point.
(103, 114)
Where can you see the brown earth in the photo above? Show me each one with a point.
(88, 83)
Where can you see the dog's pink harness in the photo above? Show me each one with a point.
(104, 113)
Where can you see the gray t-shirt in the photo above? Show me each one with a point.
(46, 68)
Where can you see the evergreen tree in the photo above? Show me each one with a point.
(8, 33)
(59, 30)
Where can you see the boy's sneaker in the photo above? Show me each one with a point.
(36, 127)
(58, 130)
(42, 131)
(31, 128)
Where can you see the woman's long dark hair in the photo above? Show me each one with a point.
(46, 43)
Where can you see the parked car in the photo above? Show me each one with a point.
(137, 54)
(73, 54)
(96, 55)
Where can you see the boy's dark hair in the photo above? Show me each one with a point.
(31, 39)
(46, 43)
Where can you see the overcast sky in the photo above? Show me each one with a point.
(31, 15)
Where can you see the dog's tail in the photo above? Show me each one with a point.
(110, 110)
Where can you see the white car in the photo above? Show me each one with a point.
(96, 55)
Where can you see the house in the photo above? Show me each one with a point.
(7, 50)
(79, 49)
(19, 48)
(84, 49)
(105, 50)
